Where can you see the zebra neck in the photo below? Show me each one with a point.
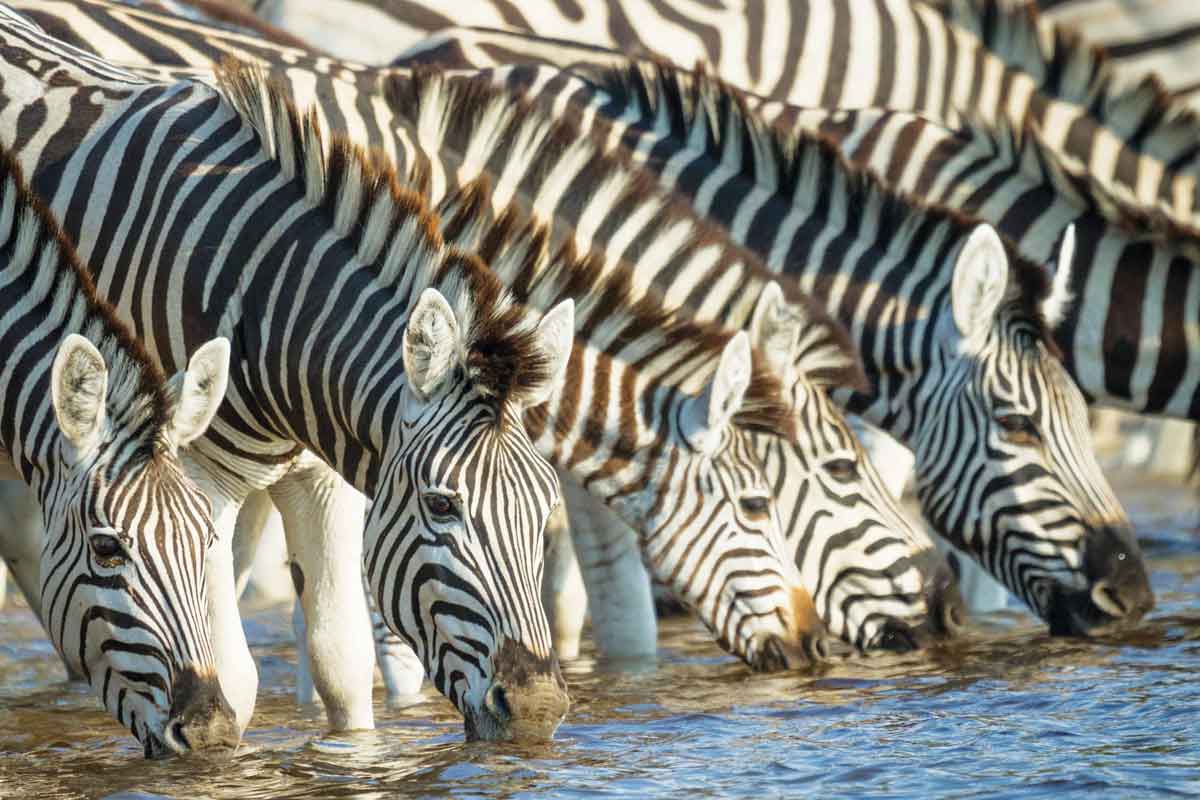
(47, 297)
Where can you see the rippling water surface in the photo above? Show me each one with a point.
(1007, 711)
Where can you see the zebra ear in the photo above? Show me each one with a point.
(430, 344)
(774, 330)
(78, 387)
(556, 333)
(1058, 301)
(978, 286)
(199, 390)
(707, 414)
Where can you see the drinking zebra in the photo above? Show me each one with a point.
(880, 582)
(121, 572)
(426, 437)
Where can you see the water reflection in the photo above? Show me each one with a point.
(1004, 711)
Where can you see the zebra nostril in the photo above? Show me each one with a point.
(497, 703)
(817, 647)
(179, 736)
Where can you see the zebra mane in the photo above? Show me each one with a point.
(464, 102)
(136, 384)
(794, 161)
(393, 233)
(518, 247)
(1025, 149)
(1072, 68)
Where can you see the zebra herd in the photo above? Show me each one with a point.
(646, 257)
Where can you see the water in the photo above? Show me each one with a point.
(1007, 711)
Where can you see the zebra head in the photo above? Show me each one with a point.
(1006, 468)
(454, 538)
(709, 527)
(122, 568)
(877, 581)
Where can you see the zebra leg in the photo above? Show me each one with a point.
(403, 673)
(980, 591)
(563, 593)
(618, 587)
(235, 665)
(323, 521)
(251, 521)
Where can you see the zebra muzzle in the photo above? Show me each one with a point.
(201, 718)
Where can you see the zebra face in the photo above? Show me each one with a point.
(1006, 468)
(710, 530)
(123, 564)
(877, 581)
(454, 541)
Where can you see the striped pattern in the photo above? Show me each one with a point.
(886, 271)
(312, 234)
(122, 569)
(877, 580)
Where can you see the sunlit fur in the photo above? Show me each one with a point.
(132, 627)
(883, 262)
(850, 537)
(616, 427)
(456, 589)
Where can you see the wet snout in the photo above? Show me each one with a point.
(1118, 588)
(807, 643)
(201, 718)
(945, 610)
(526, 701)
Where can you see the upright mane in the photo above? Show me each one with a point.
(393, 233)
(1075, 70)
(518, 248)
(30, 232)
(796, 161)
(465, 106)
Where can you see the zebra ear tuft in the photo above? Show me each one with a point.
(707, 414)
(78, 388)
(199, 390)
(430, 344)
(1058, 301)
(556, 334)
(978, 286)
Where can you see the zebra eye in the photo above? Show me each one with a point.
(107, 549)
(1018, 429)
(842, 469)
(441, 505)
(756, 506)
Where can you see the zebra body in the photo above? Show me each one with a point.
(274, 299)
(121, 573)
(875, 585)
(1150, 37)
(1011, 392)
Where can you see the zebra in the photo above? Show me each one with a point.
(788, 632)
(891, 591)
(1159, 39)
(994, 59)
(121, 586)
(983, 371)
(433, 531)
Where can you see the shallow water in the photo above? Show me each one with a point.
(1007, 711)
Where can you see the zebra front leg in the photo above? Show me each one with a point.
(235, 665)
(563, 593)
(618, 586)
(323, 521)
(251, 521)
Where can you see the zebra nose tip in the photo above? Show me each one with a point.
(527, 699)
(201, 718)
